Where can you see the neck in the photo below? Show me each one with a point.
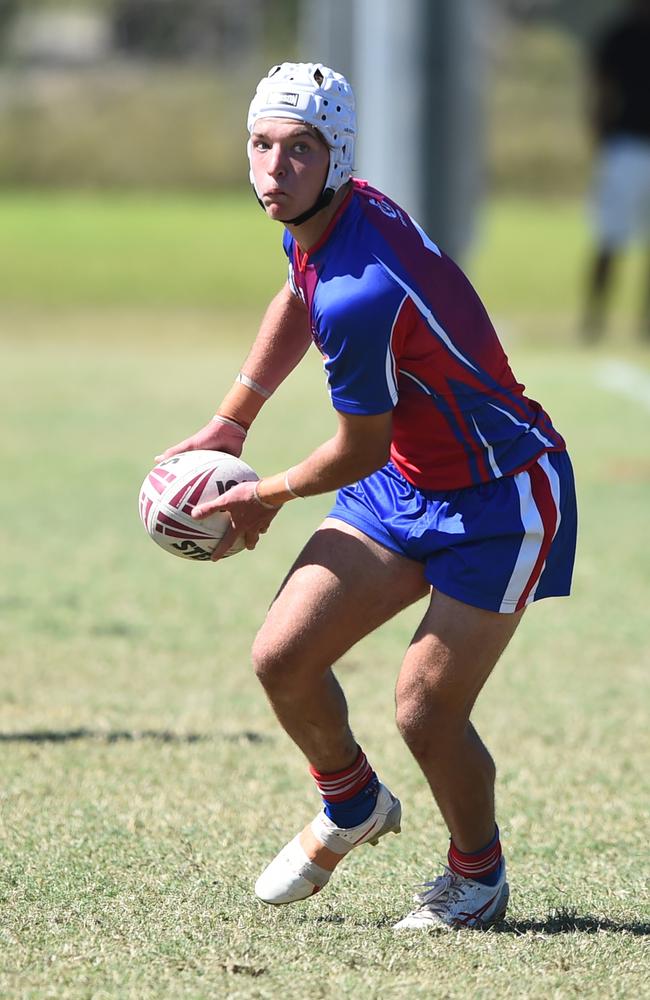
(309, 233)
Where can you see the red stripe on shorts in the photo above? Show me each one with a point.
(543, 497)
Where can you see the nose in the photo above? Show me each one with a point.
(276, 161)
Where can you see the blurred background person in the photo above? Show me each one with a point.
(620, 119)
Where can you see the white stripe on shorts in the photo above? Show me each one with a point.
(533, 539)
(554, 482)
(530, 545)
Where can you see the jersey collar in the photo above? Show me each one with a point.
(303, 258)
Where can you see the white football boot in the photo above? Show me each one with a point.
(293, 876)
(451, 901)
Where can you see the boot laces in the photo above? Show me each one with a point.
(444, 889)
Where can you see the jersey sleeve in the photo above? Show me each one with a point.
(358, 335)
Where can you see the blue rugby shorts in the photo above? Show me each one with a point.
(498, 546)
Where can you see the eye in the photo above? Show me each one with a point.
(301, 147)
(261, 145)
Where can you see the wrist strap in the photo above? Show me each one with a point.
(252, 384)
(233, 423)
(288, 487)
(268, 506)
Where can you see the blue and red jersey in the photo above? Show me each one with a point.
(401, 328)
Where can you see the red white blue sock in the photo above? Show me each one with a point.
(481, 866)
(349, 796)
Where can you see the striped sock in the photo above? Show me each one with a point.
(481, 866)
(349, 796)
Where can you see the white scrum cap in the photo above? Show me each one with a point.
(317, 95)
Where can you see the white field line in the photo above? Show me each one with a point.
(625, 379)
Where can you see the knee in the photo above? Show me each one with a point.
(274, 665)
(267, 661)
(428, 719)
(416, 724)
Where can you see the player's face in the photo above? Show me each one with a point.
(289, 164)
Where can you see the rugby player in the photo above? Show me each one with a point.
(452, 486)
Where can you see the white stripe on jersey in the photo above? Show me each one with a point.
(417, 381)
(490, 452)
(530, 545)
(292, 283)
(521, 423)
(428, 242)
(391, 378)
(427, 314)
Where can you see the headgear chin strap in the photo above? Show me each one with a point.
(323, 200)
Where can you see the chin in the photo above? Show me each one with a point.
(275, 212)
(283, 215)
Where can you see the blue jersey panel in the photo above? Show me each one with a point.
(355, 325)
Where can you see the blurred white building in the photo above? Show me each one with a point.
(60, 35)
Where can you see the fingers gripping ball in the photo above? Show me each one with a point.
(175, 487)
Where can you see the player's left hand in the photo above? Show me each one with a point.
(247, 515)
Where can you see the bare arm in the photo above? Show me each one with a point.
(281, 343)
(360, 446)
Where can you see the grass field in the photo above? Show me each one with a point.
(145, 782)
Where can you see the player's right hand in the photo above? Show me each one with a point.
(248, 516)
(220, 434)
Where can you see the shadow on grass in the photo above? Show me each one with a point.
(569, 922)
(130, 736)
(557, 922)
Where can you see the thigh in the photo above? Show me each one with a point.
(342, 586)
(453, 653)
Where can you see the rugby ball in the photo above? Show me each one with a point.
(172, 490)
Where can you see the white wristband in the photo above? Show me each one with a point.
(233, 423)
(269, 506)
(289, 489)
(252, 384)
